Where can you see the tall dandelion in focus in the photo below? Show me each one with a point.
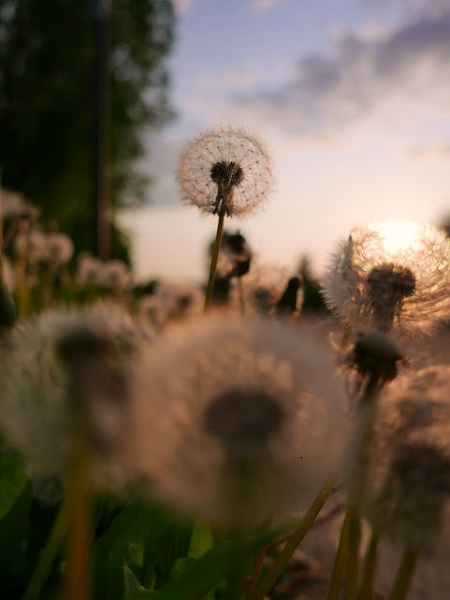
(225, 172)
(393, 276)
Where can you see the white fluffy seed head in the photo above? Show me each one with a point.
(408, 495)
(237, 420)
(228, 151)
(391, 276)
(58, 248)
(37, 413)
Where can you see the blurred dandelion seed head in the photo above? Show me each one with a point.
(225, 169)
(223, 397)
(262, 287)
(243, 417)
(37, 413)
(409, 477)
(235, 256)
(58, 248)
(391, 275)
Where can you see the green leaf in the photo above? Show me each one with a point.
(130, 580)
(15, 501)
(205, 577)
(201, 540)
(147, 539)
(197, 578)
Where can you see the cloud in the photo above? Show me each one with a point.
(181, 7)
(263, 5)
(430, 151)
(365, 75)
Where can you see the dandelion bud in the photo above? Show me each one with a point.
(292, 297)
(375, 355)
(235, 256)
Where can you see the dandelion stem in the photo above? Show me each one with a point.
(369, 568)
(352, 562)
(47, 557)
(367, 414)
(77, 578)
(291, 545)
(339, 562)
(241, 296)
(257, 565)
(404, 576)
(214, 258)
(256, 573)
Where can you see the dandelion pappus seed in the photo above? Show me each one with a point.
(225, 169)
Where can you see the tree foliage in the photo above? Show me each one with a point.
(47, 53)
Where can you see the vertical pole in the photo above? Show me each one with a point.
(102, 225)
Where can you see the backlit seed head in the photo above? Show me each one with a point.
(227, 170)
(393, 276)
(227, 174)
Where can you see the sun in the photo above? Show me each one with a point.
(398, 236)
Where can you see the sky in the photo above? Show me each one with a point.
(352, 99)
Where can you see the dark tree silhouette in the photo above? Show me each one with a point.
(48, 54)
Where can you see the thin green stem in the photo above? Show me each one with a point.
(241, 296)
(366, 416)
(256, 574)
(352, 559)
(369, 568)
(78, 550)
(214, 258)
(404, 576)
(47, 557)
(291, 545)
(250, 592)
(339, 562)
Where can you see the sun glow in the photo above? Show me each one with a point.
(398, 236)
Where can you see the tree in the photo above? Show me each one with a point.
(47, 117)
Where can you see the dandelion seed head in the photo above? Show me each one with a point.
(235, 256)
(408, 496)
(37, 410)
(58, 248)
(391, 275)
(30, 245)
(88, 271)
(243, 417)
(237, 420)
(115, 275)
(225, 165)
(262, 288)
